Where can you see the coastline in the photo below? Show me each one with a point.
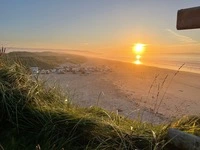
(156, 94)
(157, 64)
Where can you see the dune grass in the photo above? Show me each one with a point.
(43, 60)
(35, 116)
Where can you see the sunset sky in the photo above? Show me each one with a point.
(101, 25)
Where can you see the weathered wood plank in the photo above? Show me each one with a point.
(183, 141)
(188, 18)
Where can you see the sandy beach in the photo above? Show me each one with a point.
(153, 94)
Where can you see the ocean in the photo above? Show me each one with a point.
(172, 61)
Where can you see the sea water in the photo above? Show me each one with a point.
(190, 62)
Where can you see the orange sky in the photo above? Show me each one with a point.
(112, 26)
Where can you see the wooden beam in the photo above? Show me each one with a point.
(188, 18)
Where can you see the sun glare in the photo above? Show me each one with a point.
(138, 56)
(137, 62)
(138, 48)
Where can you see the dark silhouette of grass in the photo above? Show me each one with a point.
(160, 102)
(31, 114)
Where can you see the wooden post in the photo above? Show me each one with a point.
(188, 18)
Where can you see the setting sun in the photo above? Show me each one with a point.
(138, 48)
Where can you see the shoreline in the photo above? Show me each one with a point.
(131, 90)
(88, 55)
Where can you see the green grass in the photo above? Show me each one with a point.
(31, 114)
(44, 60)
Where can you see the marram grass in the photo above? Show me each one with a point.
(35, 116)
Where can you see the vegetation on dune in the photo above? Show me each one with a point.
(44, 60)
(35, 115)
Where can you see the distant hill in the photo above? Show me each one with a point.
(45, 60)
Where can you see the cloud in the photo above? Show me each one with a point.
(182, 38)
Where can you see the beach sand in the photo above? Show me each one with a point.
(134, 91)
